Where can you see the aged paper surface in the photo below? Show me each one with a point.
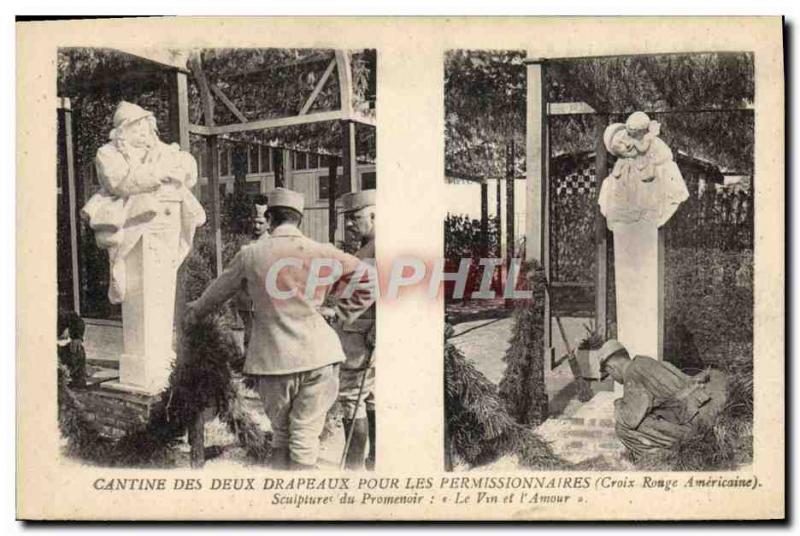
(410, 481)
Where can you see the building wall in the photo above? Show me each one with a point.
(307, 181)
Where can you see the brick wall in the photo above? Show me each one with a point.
(115, 413)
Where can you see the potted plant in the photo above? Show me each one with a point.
(587, 354)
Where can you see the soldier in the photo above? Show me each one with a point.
(660, 405)
(294, 354)
(244, 305)
(358, 342)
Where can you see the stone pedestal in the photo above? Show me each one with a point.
(149, 306)
(638, 267)
(637, 274)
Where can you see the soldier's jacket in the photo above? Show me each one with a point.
(242, 299)
(289, 334)
(359, 336)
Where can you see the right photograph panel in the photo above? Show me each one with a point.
(600, 223)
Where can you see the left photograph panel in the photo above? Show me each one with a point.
(215, 257)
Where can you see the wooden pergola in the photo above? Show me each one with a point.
(346, 116)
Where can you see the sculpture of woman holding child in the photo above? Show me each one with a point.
(145, 216)
(640, 195)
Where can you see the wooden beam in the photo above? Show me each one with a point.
(228, 103)
(333, 170)
(569, 108)
(179, 109)
(363, 119)
(349, 163)
(202, 130)
(601, 232)
(345, 83)
(214, 219)
(264, 124)
(510, 155)
(484, 219)
(534, 163)
(212, 162)
(72, 193)
(318, 88)
(196, 64)
(179, 127)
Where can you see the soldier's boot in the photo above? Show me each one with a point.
(370, 462)
(280, 459)
(358, 444)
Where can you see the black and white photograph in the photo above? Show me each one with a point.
(182, 176)
(623, 187)
(577, 293)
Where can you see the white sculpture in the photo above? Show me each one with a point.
(145, 216)
(640, 195)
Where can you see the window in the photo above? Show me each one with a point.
(253, 159)
(368, 180)
(300, 160)
(266, 159)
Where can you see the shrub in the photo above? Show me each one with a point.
(479, 429)
(522, 387)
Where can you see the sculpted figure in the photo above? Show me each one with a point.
(645, 184)
(140, 178)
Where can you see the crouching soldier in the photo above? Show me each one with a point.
(358, 342)
(660, 405)
(293, 353)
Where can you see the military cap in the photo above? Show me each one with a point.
(609, 348)
(282, 197)
(358, 200)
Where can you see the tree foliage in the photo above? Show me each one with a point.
(261, 83)
(701, 100)
(484, 99)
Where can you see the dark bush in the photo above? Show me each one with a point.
(522, 387)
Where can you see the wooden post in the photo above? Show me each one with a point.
(538, 187)
(349, 163)
(72, 200)
(179, 128)
(179, 109)
(214, 219)
(510, 204)
(534, 155)
(510, 215)
(484, 218)
(601, 231)
(498, 206)
(333, 170)
(212, 161)
(277, 167)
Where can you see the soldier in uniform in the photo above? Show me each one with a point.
(294, 354)
(358, 341)
(244, 305)
(660, 405)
